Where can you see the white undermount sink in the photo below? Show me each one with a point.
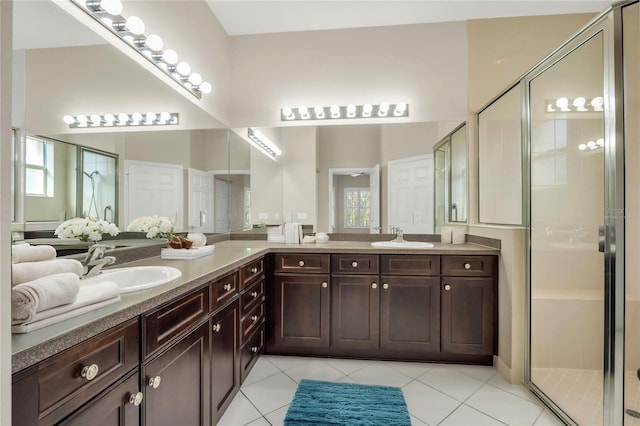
(136, 278)
(402, 244)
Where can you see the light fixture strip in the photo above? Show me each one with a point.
(82, 121)
(263, 142)
(579, 104)
(320, 112)
(131, 31)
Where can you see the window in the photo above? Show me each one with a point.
(357, 207)
(38, 167)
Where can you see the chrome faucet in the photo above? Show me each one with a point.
(95, 260)
(399, 235)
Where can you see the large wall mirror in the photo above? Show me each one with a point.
(114, 173)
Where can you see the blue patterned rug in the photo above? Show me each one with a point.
(329, 403)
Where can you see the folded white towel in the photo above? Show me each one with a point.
(199, 240)
(44, 293)
(88, 295)
(29, 271)
(27, 253)
(26, 328)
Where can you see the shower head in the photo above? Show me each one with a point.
(95, 172)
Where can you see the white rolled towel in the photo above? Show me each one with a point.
(29, 271)
(41, 294)
(28, 253)
(199, 240)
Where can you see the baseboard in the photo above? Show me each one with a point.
(505, 370)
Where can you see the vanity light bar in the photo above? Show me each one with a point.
(579, 104)
(263, 142)
(320, 112)
(591, 145)
(122, 120)
(131, 30)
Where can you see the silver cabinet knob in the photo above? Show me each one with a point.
(216, 328)
(467, 266)
(89, 372)
(136, 399)
(226, 287)
(385, 286)
(254, 318)
(154, 382)
(447, 287)
(354, 264)
(301, 263)
(254, 294)
(374, 285)
(324, 284)
(254, 349)
(254, 270)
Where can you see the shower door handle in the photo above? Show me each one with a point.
(601, 238)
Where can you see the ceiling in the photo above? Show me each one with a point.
(242, 17)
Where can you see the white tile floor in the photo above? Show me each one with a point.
(436, 394)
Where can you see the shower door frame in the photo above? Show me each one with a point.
(610, 24)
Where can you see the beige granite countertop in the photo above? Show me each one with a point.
(30, 348)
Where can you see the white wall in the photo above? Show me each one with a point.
(299, 174)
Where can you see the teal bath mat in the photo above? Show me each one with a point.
(329, 403)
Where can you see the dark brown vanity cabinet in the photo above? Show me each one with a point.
(469, 305)
(301, 300)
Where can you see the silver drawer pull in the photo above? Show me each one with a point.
(254, 349)
(254, 318)
(301, 263)
(254, 294)
(447, 287)
(467, 266)
(385, 286)
(324, 284)
(154, 382)
(354, 264)
(374, 285)
(254, 270)
(216, 328)
(90, 372)
(136, 399)
(226, 287)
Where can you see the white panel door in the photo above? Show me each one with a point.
(200, 211)
(374, 188)
(153, 188)
(222, 222)
(411, 194)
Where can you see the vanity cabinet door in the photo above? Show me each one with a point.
(176, 383)
(118, 406)
(410, 314)
(355, 312)
(301, 310)
(225, 358)
(469, 315)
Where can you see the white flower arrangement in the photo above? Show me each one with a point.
(86, 229)
(155, 226)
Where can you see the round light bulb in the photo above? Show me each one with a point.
(170, 57)
(183, 68)
(318, 110)
(134, 25)
(367, 108)
(165, 116)
(384, 107)
(579, 102)
(287, 111)
(351, 109)
(82, 118)
(335, 110)
(112, 7)
(600, 141)
(136, 117)
(597, 103)
(205, 87)
(303, 110)
(562, 103)
(109, 118)
(154, 42)
(96, 119)
(69, 119)
(195, 79)
(401, 107)
(591, 144)
(151, 116)
(582, 147)
(123, 118)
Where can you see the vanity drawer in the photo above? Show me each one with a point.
(169, 321)
(251, 272)
(57, 386)
(469, 266)
(354, 264)
(223, 289)
(252, 296)
(252, 320)
(410, 264)
(250, 352)
(303, 263)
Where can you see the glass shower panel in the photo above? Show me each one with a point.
(631, 69)
(99, 185)
(458, 211)
(567, 206)
(441, 201)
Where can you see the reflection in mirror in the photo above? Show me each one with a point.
(441, 189)
(500, 160)
(98, 186)
(450, 193)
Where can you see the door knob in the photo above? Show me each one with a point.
(136, 399)
(90, 372)
(154, 382)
